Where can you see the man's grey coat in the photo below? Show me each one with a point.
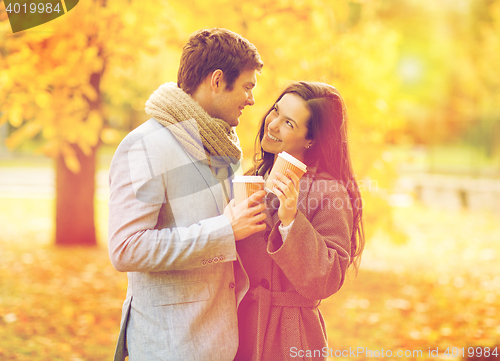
(168, 231)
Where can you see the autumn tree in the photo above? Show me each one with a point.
(79, 83)
(57, 83)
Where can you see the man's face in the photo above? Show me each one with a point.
(228, 104)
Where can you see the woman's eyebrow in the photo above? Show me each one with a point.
(286, 117)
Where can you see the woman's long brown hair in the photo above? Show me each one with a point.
(329, 151)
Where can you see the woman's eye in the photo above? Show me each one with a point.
(275, 108)
(289, 123)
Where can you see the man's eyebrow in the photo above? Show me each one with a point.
(288, 118)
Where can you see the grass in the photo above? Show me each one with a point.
(55, 303)
(439, 289)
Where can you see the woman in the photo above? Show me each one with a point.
(314, 227)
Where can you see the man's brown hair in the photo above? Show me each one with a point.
(210, 49)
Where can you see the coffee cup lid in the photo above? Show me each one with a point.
(293, 160)
(248, 179)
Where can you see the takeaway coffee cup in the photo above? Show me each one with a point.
(283, 162)
(246, 185)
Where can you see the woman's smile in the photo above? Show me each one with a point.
(271, 137)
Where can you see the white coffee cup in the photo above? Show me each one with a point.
(283, 162)
(246, 185)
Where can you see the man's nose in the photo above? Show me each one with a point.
(250, 99)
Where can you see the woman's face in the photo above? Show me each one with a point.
(285, 127)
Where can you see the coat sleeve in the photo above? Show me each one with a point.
(316, 254)
(137, 197)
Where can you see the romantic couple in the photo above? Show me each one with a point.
(208, 279)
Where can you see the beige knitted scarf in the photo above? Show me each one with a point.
(209, 140)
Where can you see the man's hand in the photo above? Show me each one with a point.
(247, 217)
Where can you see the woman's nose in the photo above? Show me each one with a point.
(274, 124)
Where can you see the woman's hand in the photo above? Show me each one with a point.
(287, 191)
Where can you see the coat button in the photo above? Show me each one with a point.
(203, 263)
(209, 261)
(216, 259)
(264, 283)
(231, 285)
(221, 258)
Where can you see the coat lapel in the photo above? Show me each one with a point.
(304, 188)
(213, 176)
(272, 205)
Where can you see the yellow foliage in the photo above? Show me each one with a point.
(27, 131)
(94, 122)
(89, 91)
(5, 79)
(70, 158)
(15, 116)
(42, 99)
(53, 70)
(51, 148)
(79, 85)
(49, 131)
(340, 9)
(68, 311)
(110, 136)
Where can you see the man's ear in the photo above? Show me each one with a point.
(217, 82)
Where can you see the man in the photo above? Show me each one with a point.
(170, 226)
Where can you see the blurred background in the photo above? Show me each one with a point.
(422, 86)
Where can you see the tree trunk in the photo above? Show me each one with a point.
(75, 201)
(75, 191)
